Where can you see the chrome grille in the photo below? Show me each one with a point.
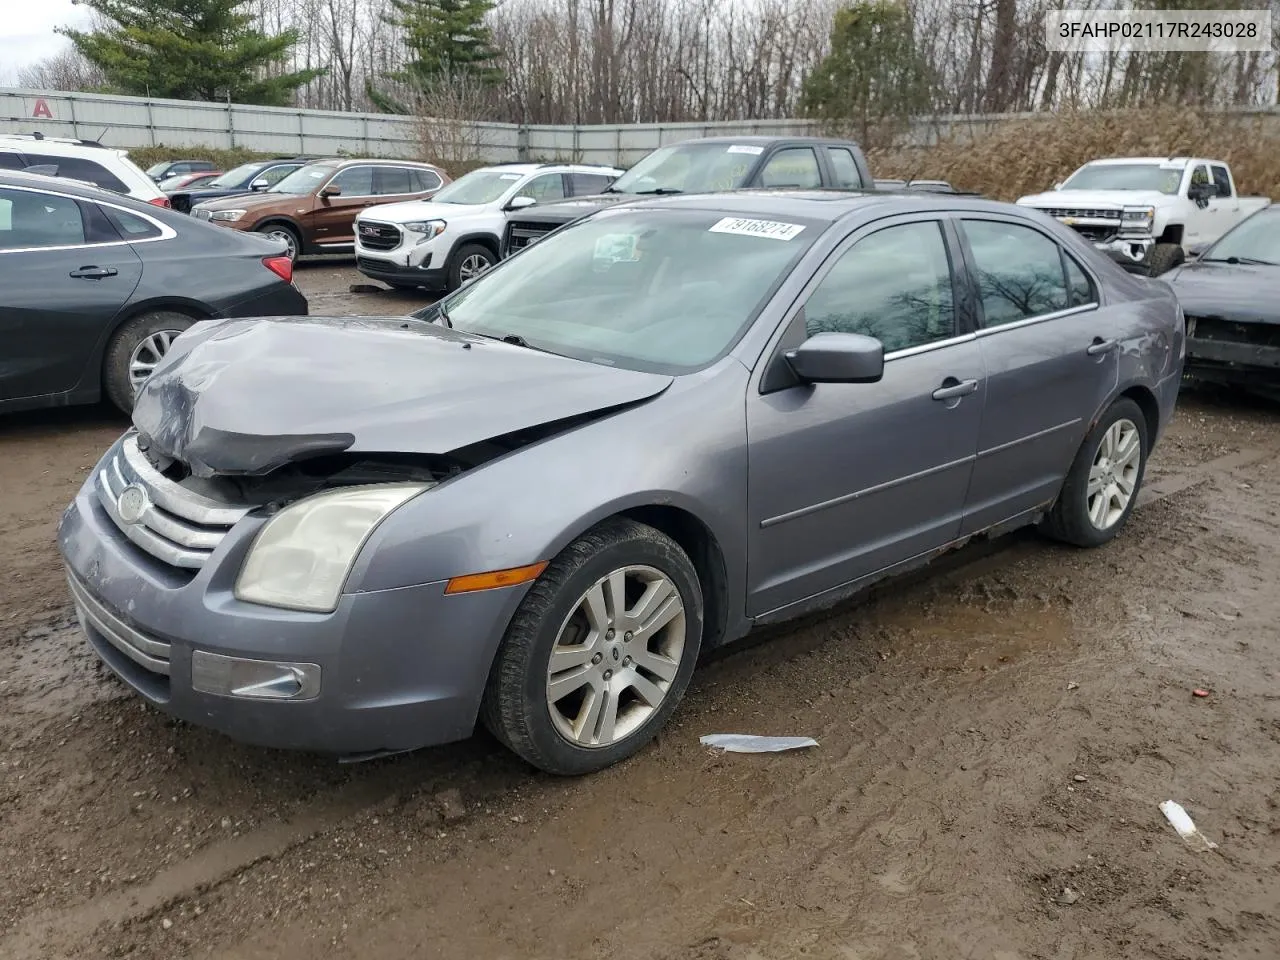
(521, 234)
(1081, 213)
(378, 236)
(173, 524)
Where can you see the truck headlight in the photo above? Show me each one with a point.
(426, 229)
(1137, 218)
(230, 216)
(301, 558)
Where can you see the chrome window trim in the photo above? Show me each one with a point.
(166, 232)
(929, 347)
(1040, 318)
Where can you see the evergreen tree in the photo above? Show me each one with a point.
(446, 39)
(875, 77)
(189, 50)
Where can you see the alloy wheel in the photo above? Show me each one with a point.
(473, 266)
(147, 354)
(615, 656)
(1114, 474)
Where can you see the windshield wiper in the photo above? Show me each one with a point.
(443, 313)
(1246, 261)
(659, 191)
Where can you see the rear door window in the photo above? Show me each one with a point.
(1019, 271)
(79, 168)
(31, 220)
(392, 181)
(1222, 179)
(586, 184)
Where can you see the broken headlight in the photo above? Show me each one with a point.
(301, 558)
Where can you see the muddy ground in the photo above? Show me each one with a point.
(995, 738)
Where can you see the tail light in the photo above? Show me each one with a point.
(160, 202)
(282, 267)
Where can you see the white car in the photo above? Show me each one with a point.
(444, 242)
(84, 160)
(1149, 213)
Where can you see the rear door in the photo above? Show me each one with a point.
(65, 273)
(1051, 355)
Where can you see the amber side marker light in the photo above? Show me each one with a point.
(495, 578)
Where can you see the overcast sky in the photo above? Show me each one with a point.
(26, 32)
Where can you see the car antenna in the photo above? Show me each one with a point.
(37, 135)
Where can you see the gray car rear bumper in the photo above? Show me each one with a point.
(399, 669)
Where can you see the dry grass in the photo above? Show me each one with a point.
(1018, 157)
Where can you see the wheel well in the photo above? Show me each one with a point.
(697, 540)
(1146, 401)
(1172, 234)
(480, 240)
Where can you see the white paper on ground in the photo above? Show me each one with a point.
(1180, 821)
(746, 743)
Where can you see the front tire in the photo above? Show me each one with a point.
(599, 653)
(286, 234)
(1104, 480)
(135, 350)
(468, 263)
(1164, 257)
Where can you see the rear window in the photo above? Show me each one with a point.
(130, 225)
(78, 168)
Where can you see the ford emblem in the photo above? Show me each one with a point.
(133, 503)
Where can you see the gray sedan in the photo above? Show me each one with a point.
(535, 503)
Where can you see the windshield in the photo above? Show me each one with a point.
(1256, 238)
(691, 168)
(666, 291)
(233, 178)
(1126, 176)
(478, 186)
(157, 168)
(304, 180)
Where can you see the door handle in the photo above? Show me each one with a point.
(952, 388)
(1100, 346)
(93, 273)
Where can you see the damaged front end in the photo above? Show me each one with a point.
(1232, 352)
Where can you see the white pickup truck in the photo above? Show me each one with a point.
(1149, 213)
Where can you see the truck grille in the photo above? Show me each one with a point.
(524, 233)
(378, 236)
(1095, 234)
(168, 521)
(1082, 213)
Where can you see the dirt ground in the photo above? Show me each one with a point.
(995, 737)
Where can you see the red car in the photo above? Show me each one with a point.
(185, 181)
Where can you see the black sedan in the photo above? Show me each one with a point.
(1231, 297)
(246, 178)
(95, 286)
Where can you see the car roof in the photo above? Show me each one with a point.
(546, 166)
(68, 185)
(1109, 161)
(349, 161)
(822, 205)
(758, 139)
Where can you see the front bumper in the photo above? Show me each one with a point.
(378, 266)
(1233, 362)
(1132, 253)
(398, 669)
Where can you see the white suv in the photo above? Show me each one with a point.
(83, 160)
(444, 242)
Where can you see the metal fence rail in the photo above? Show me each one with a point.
(146, 122)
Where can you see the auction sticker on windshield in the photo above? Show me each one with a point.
(746, 148)
(617, 248)
(772, 229)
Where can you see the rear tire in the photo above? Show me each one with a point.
(596, 706)
(467, 263)
(1164, 257)
(1093, 505)
(135, 349)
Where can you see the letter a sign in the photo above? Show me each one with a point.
(41, 109)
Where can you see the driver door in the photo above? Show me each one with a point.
(1207, 218)
(847, 480)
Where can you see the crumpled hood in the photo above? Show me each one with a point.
(1236, 292)
(1096, 198)
(247, 396)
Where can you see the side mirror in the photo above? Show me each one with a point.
(259, 184)
(519, 203)
(333, 190)
(837, 358)
(1202, 191)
